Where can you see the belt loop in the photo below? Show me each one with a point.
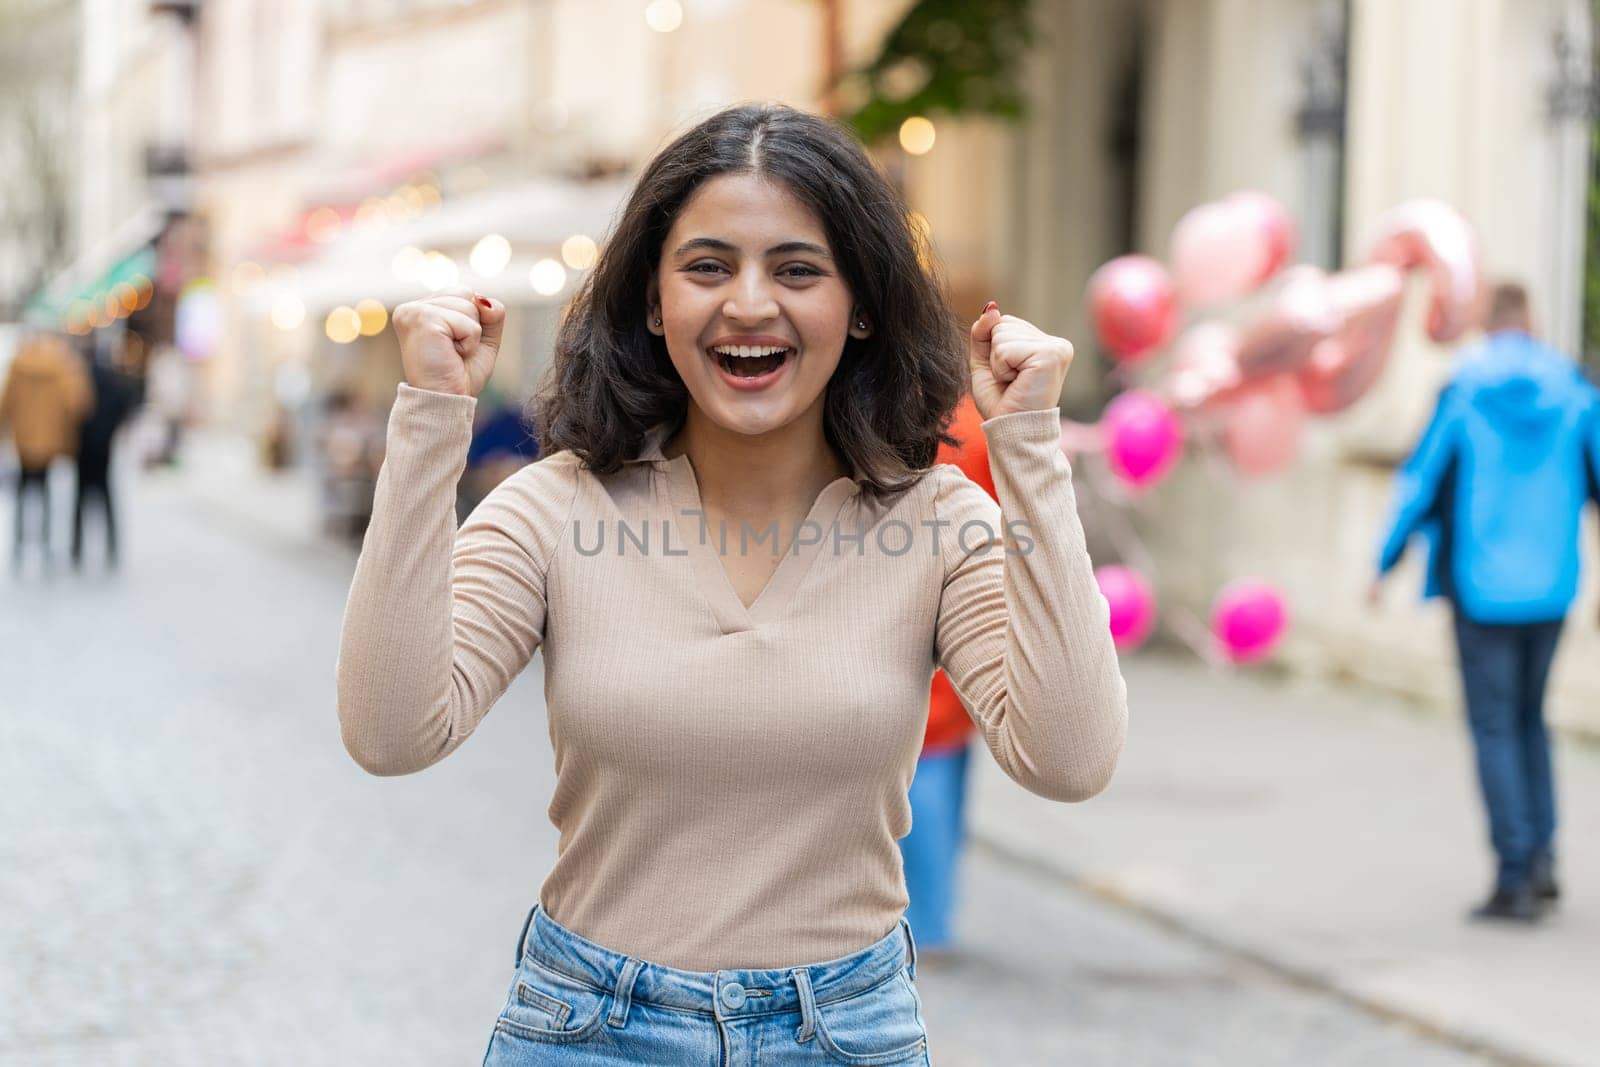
(911, 947)
(808, 1005)
(624, 997)
(522, 938)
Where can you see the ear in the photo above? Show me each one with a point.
(652, 310)
(860, 326)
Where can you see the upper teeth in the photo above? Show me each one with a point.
(747, 351)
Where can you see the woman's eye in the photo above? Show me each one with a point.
(795, 271)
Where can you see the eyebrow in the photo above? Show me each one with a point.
(716, 244)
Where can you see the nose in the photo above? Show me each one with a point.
(752, 298)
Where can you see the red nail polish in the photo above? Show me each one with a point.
(990, 306)
(486, 303)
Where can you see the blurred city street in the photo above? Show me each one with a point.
(212, 880)
(1330, 274)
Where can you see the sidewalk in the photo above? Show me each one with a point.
(1335, 835)
(221, 473)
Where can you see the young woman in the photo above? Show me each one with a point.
(742, 568)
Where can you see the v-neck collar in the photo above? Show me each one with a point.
(683, 493)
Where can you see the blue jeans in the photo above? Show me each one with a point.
(1503, 672)
(574, 1002)
(931, 850)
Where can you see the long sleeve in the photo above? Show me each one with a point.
(439, 623)
(1023, 633)
(1417, 483)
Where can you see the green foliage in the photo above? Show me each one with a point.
(946, 57)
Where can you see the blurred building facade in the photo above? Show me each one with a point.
(38, 91)
(367, 150)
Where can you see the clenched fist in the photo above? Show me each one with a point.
(449, 341)
(1015, 365)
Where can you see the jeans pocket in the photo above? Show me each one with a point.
(880, 1026)
(547, 1005)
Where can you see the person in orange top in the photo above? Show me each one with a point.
(931, 850)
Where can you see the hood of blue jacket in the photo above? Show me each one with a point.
(1522, 388)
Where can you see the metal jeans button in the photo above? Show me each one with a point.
(733, 995)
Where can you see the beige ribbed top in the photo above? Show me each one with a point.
(730, 781)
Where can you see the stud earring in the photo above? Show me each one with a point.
(658, 320)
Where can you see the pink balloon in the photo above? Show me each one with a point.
(1205, 366)
(1368, 301)
(1134, 308)
(1248, 619)
(1435, 236)
(1220, 251)
(1275, 223)
(1302, 315)
(1264, 424)
(1132, 604)
(1143, 438)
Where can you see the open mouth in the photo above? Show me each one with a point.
(746, 361)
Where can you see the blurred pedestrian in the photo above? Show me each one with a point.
(113, 401)
(734, 732)
(46, 395)
(168, 389)
(931, 852)
(1497, 484)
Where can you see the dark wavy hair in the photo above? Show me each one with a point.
(892, 396)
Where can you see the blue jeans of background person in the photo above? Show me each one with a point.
(931, 850)
(1503, 672)
(575, 1003)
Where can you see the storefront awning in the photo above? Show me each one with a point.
(126, 257)
(535, 217)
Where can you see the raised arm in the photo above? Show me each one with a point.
(1023, 632)
(438, 623)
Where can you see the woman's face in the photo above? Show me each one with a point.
(746, 268)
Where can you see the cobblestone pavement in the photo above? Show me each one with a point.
(196, 873)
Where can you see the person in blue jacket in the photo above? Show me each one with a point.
(1497, 486)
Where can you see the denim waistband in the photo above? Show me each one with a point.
(726, 993)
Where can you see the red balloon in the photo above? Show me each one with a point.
(1345, 366)
(1133, 305)
(1265, 419)
(1432, 235)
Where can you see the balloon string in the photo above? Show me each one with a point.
(1197, 636)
